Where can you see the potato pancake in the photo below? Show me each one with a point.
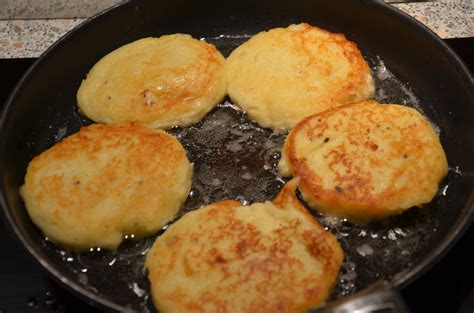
(224, 257)
(104, 182)
(365, 160)
(161, 82)
(285, 74)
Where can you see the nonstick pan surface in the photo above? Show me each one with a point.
(235, 158)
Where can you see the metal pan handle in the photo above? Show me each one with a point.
(377, 301)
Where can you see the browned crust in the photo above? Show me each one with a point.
(359, 69)
(356, 201)
(126, 158)
(301, 70)
(321, 243)
(178, 96)
(149, 92)
(266, 263)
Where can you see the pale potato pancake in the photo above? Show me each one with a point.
(365, 160)
(105, 181)
(161, 82)
(285, 74)
(224, 257)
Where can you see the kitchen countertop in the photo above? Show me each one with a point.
(27, 28)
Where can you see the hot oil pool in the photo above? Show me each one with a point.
(234, 158)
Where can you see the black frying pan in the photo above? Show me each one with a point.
(226, 145)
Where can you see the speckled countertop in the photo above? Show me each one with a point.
(29, 27)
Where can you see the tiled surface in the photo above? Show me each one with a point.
(22, 38)
(449, 19)
(40, 9)
(30, 38)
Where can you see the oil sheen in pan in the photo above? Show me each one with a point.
(236, 159)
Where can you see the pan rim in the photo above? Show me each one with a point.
(400, 280)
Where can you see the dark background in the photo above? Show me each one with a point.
(26, 287)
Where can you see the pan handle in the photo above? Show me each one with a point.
(377, 301)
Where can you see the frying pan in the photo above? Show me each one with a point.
(234, 158)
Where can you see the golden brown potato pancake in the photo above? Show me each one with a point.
(224, 257)
(104, 182)
(365, 160)
(161, 82)
(282, 75)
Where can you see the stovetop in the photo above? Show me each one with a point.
(26, 287)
